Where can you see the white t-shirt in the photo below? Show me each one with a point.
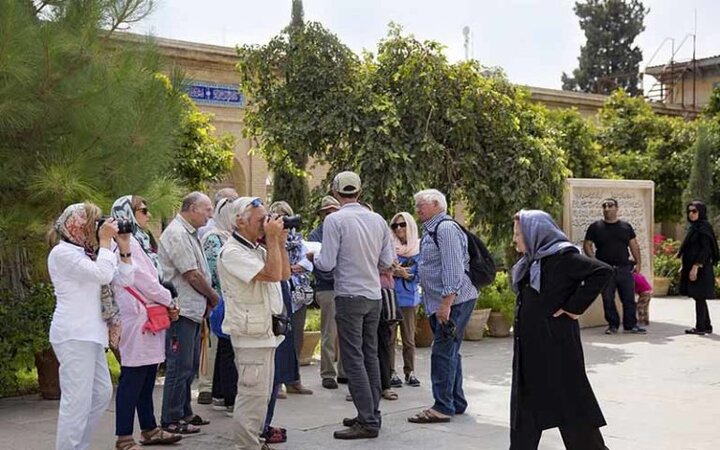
(249, 305)
(77, 280)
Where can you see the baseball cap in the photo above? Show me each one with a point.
(328, 202)
(347, 183)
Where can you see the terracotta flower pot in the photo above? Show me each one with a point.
(48, 374)
(475, 329)
(423, 333)
(310, 342)
(498, 325)
(661, 286)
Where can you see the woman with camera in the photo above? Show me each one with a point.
(81, 265)
(142, 341)
(405, 272)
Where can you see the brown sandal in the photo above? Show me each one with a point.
(158, 436)
(425, 416)
(127, 444)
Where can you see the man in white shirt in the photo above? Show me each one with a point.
(250, 277)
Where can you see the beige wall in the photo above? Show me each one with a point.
(704, 86)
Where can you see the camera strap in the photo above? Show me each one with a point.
(241, 239)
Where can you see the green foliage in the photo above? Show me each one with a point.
(312, 319)
(608, 59)
(666, 266)
(712, 109)
(24, 327)
(576, 136)
(700, 186)
(301, 102)
(498, 296)
(202, 157)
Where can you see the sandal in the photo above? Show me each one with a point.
(389, 394)
(275, 436)
(158, 436)
(197, 420)
(181, 427)
(127, 444)
(425, 416)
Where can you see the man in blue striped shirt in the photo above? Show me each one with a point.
(449, 299)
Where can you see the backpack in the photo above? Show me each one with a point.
(482, 265)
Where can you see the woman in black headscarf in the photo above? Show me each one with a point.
(554, 285)
(699, 253)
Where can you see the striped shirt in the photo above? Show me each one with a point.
(444, 267)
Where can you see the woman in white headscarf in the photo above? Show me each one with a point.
(81, 265)
(224, 383)
(405, 272)
(141, 351)
(554, 285)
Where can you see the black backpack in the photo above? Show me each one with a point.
(482, 265)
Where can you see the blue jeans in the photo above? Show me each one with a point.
(445, 360)
(622, 281)
(357, 320)
(182, 361)
(135, 392)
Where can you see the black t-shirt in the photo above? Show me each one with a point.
(611, 241)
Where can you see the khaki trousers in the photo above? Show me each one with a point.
(407, 334)
(329, 349)
(256, 370)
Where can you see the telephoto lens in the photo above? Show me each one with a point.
(290, 222)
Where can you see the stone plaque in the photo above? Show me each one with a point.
(582, 206)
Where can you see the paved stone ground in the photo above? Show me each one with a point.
(658, 392)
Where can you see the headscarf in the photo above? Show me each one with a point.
(223, 220)
(71, 225)
(700, 226)
(542, 238)
(123, 209)
(412, 247)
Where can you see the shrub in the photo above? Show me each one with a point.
(498, 296)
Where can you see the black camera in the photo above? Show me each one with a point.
(125, 226)
(290, 222)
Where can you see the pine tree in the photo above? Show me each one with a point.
(81, 118)
(298, 14)
(608, 60)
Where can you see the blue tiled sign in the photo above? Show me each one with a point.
(206, 93)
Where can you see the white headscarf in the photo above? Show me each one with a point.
(412, 247)
(224, 220)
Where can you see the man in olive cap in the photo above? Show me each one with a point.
(325, 297)
(356, 243)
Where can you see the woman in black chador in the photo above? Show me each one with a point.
(699, 253)
(554, 285)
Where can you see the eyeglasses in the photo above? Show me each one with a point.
(692, 211)
(256, 202)
(143, 210)
(395, 226)
(607, 205)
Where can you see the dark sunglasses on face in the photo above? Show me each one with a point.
(692, 210)
(399, 224)
(143, 210)
(607, 205)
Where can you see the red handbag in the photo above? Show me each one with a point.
(158, 318)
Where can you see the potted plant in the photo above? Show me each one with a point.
(311, 337)
(423, 332)
(666, 266)
(500, 299)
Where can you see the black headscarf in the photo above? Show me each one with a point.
(700, 226)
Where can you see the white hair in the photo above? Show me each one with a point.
(240, 209)
(432, 196)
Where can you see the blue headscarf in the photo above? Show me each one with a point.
(542, 238)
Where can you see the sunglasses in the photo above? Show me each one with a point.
(143, 210)
(692, 210)
(256, 203)
(607, 205)
(395, 226)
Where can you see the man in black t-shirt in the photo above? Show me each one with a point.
(612, 238)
